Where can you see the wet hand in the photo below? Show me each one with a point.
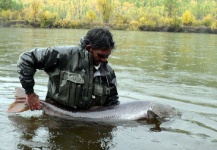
(33, 102)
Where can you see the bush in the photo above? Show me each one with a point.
(122, 19)
(150, 20)
(65, 23)
(134, 25)
(47, 18)
(76, 24)
(197, 23)
(15, 15)
(90, 16)
(164, 21)
(121, 22)
(175, 23)
(207, 21)
(6, 14)
(187, 18)
(214, 25)
(25, 15)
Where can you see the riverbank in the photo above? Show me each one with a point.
(85, 25)
(185, 29)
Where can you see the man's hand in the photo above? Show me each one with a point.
(33, 102)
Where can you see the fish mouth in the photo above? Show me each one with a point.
(164, 111)
(151, 114)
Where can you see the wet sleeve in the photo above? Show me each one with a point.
(29, 62)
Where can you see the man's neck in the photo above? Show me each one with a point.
(97, 67)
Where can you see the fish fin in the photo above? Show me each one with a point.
(20, 102)
(17, 107)
(20, 93)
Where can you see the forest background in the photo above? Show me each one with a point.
(148, 15)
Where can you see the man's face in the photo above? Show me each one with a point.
(100, 55)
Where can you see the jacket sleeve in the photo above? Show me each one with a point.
(40, 58)
(112, 99)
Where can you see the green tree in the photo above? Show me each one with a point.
(10, 4)
(6, 4)
(105, 8)
(61, 10)
(171, 7)
(35, 9)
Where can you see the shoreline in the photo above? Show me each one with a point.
(181, 29)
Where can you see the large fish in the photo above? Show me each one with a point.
(136, 110)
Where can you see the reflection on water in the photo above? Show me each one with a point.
(56, 133)
(172, 68)
(44, 132)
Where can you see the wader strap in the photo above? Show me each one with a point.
(87, 79)
(91, 72)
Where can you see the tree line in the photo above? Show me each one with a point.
(118, 14)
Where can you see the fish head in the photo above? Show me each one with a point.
(163, 111)
(151, 114)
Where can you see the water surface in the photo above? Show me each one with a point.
(171, 68)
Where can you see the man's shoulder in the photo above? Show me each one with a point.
(66, 48)
(107, 65)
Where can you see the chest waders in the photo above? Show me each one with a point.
(75, 87)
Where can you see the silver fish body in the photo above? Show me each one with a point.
(136, 110)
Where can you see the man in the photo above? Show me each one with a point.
(79, 76)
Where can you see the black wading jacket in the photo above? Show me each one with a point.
(73, 79)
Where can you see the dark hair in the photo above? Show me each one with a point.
(100, 38)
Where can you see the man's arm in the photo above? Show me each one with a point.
(40, 58)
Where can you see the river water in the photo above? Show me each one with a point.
(178, 69)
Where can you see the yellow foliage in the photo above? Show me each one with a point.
(122, 19)
(69, 23)
(15, 15)
(65, 23)
(165, 21)
(47, 14)
(176, 22)
(47, 18)
(75, 24)
(187, 18)
(214, 25)
(105, 8)
(123, 14)
(127, 6)
(134, 25)
(197, 23)
(150, 20)
(207, 21)
(6, 14)
(91, 16)
(36, 7)
(25, 15)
